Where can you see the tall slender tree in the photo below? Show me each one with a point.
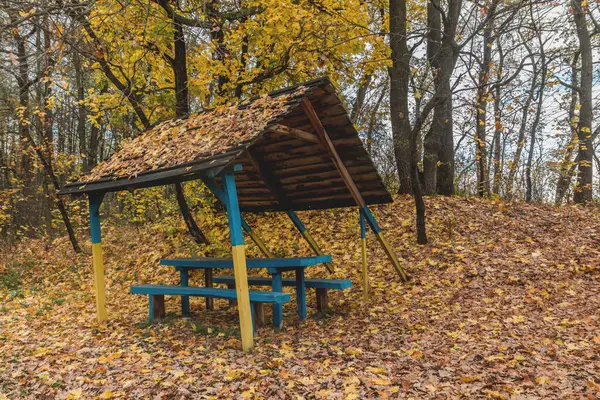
(585, 156)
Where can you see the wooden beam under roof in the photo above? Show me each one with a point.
(347, 178)
(266, 175)
(297, 133)
(333, 154)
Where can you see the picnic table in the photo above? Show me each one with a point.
(275, 266)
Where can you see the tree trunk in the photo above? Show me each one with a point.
(567, 165)
(399, 74)
(442, 53)
(182, 108)
(445, 165)
(359, 102)
(217, 37)
(512, 171)
(583, 191)
(193, 228)
(25, 168)
(94, 153)
(536, 121)
(483, 182)
(81, 108)
(405, 139)
(373, 121)
(418, 193)
(498, 127)
(432, 142)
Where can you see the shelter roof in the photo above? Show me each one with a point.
(285, 161)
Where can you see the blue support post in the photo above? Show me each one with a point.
(363, 248)
(363, 229)
(366, 214)
(220, 194)
(384, 243)
(253, 319)
(277, 308)
(239, 260)
(297, 223)
(185, 300)
(301, 294)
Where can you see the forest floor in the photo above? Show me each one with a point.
(503, 303)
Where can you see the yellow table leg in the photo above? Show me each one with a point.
(241, 288)
(99, 281)
(239, 261)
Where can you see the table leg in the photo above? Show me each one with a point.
(157, 307)
(232, 302)
(301, 294)
(259, 315)
(277, 308)
(185, 300)
(253, 317)
(321, 299)
(208, 282)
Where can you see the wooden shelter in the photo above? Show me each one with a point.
(293, 149)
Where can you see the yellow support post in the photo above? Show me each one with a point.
(95, 200)
(365, 268)
(241, 289)
(363, 246)
(239, 261)
(99, 282)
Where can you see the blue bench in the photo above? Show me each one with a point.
(156, 298)
(321, 285)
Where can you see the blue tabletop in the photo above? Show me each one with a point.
(209, 262)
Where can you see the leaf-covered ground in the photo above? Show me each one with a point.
(503, 303)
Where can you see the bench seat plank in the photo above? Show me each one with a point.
(334, 284)
(209, 262)
(255, 296)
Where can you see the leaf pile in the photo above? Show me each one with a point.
(503, 304)
(198, 136)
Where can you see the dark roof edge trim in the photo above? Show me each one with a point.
(181, 173)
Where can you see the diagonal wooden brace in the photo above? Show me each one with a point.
(347, 178)
(220, 195)
(308, 237)
(273, 185)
